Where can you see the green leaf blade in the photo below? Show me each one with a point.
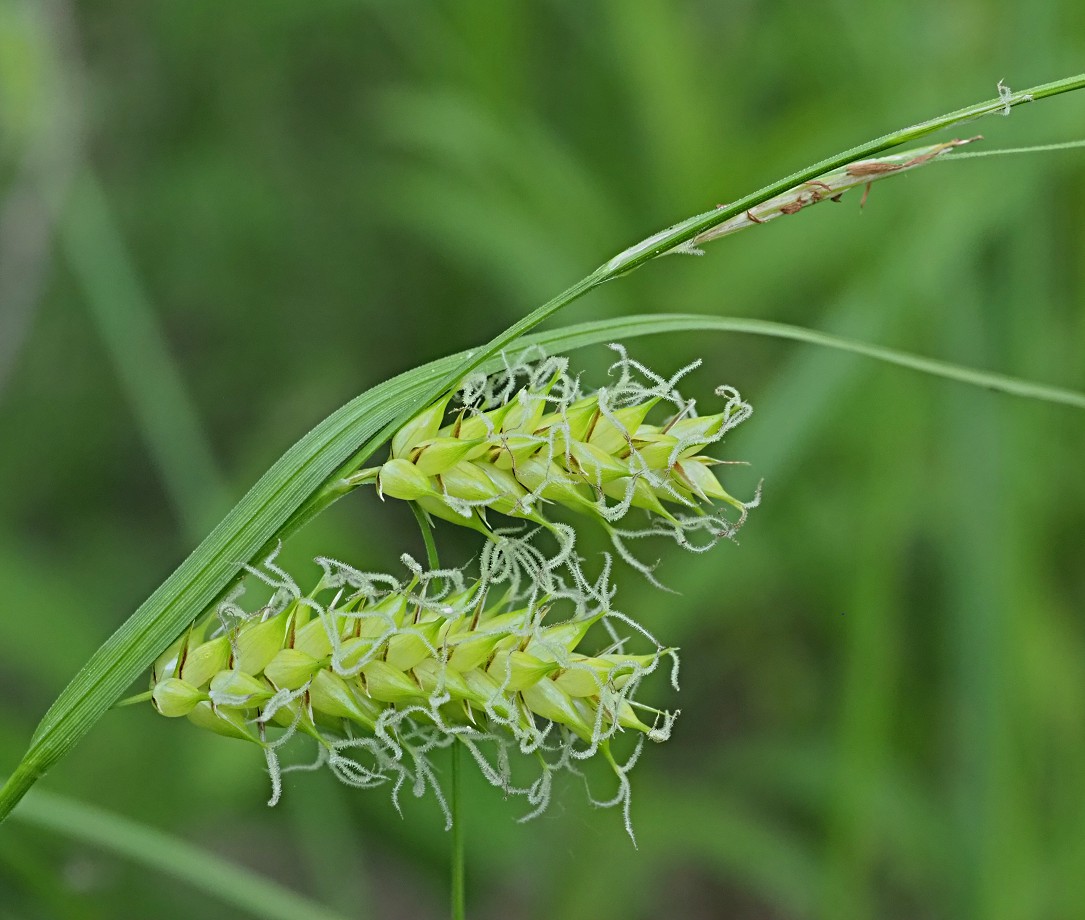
(232, 884)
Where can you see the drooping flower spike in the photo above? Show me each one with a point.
(379, 673)
(528, 437)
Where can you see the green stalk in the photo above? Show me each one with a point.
(427, 536)
(1013, 151)
(459, 871)
(307, 477)
(694, 226)
(459, 860)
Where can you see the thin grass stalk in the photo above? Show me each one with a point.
(170, 425)
(459, 852)
(458, 865)
(244, 890)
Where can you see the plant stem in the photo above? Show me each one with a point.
(459, 860)
(686, 230)
(427, 536)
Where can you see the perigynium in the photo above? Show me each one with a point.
(527, 655)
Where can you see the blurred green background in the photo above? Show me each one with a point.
(218, 222)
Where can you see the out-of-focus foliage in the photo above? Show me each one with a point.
(883, 689)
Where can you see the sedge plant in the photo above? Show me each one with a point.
(527, 658)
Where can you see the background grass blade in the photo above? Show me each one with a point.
(284, 497)
(137, 348)
(242, 889)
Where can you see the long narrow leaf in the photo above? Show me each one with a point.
(293, 489)
(161, 852)
(572, 337)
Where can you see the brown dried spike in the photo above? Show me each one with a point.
(873, 168)
(877, 168)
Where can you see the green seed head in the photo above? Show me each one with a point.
(395, 671)
(519, 451)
